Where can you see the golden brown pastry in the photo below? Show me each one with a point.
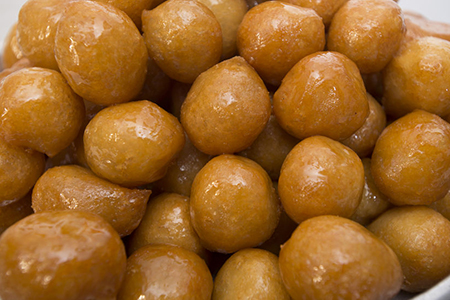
(41, 111)
(68, 255)
(76, 188)
(233, 204)
(275, 35)
(323, 94)
(368, 32)
(100, 52)
(250, 274)
(418, 237)
(320, 177)
(418, 26)
(132, 143)
(411, 160)
(183, 37)
(157, 271)
(226, 108)
(330, 257)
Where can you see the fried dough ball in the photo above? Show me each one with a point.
(133, 8)
(373, 202)
(369, 32)
(100, 52)
(418, 26)
(12, 212)
(274, 36)
(229, 13)
(226, 108)
(61, 255)
(183, 37)
(411, 160)
(250, 274)
(11, 50)
(133, 143)
(271, 148)
(233, 204)
(417, 78)
(329, 257)
(165, 271)
(419, 237)
(167, 220)
(364, 139)
(319, 177)
(20, 168)
(442, 206)
(40, 110)
(323, 94)
(36, 29)
(182, 170)
(324, 8)
(76, 188)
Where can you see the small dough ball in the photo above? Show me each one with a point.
(233, 204)
(368, 32)
(167, 220)
(182, 170)
(76, 188)
(19, 170)
(229, 14)
(156, 271)
(364, 139)
(132, 143)
(411, 160)
(418, 77)
(418, 237)
(11, 50)
(36, 29)
(274, 36)
(68, 255)
(100, 52)
(250, 274)
(320, 177)
(271, 147)
(12, 212)
(330, 257)
(183, 37)
(226, 109)
(442, 206)
(373, 202)
(40, 110)
(324, 8)
(323, 94)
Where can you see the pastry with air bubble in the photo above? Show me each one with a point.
(133, 143)
(233, 204)
(417, 234)
(250, 274)
(368, 32)
(73, 187)
(274, 36)
(68, 255)
(226, 108)
(183, 37)
(411, 160)
(320, 176)
(174, 272)
(330, 257)
(167, 220)
(417, 78)
(41, 111)
(323, 94)
(100, 52)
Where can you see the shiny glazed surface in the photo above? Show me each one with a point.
(323, 94)
(330, 257)
(61, 255)
(166, 272)
(76, 188)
